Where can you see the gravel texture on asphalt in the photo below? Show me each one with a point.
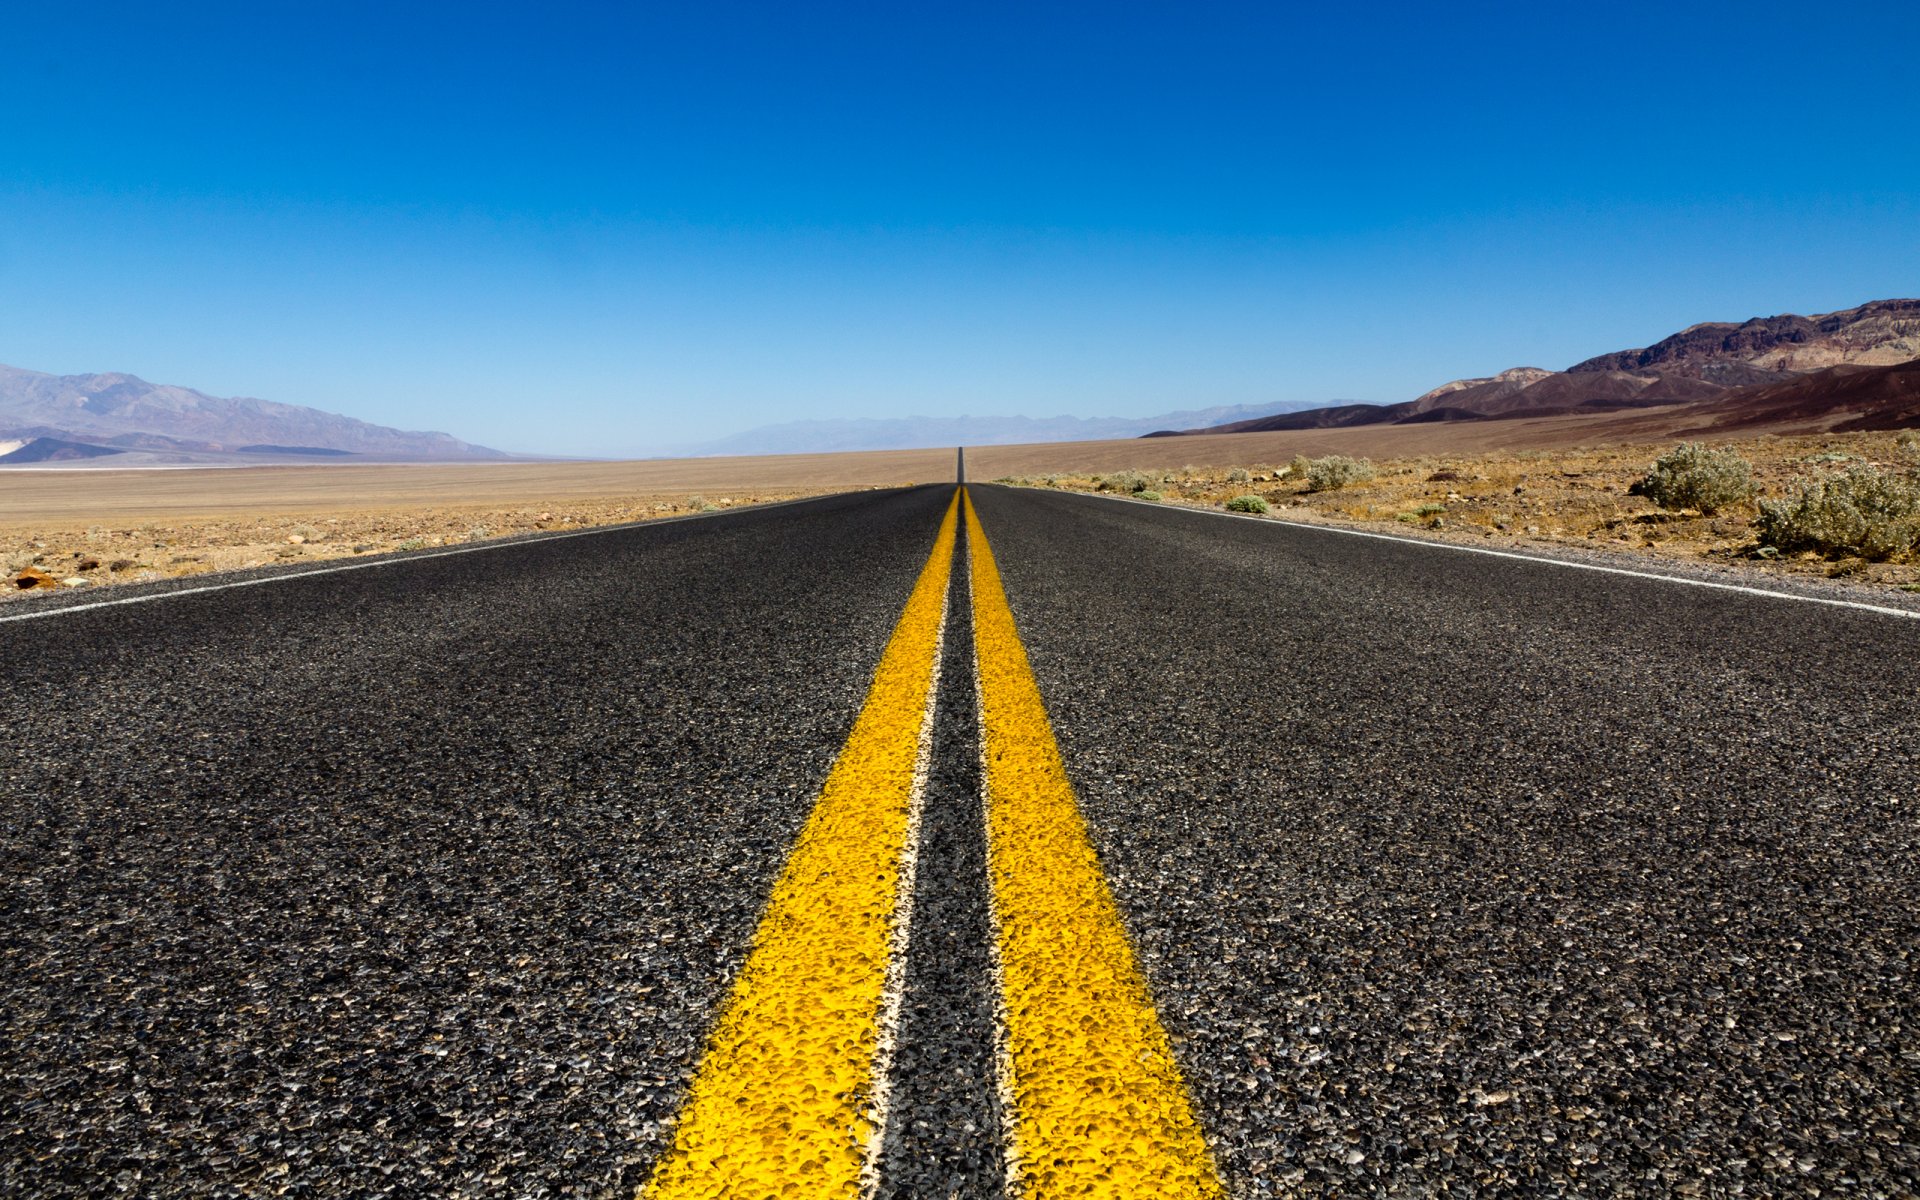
(1462, 876)
(943, 1140)
(424, 880)
(1451, 875)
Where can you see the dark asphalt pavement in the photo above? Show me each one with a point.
(946, 1137)
(1463, 876)
(1451, 875)
(423, 880)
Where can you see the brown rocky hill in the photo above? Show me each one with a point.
(1876, 334)
(1473, 393)
(1847, 398)
(1783, 364)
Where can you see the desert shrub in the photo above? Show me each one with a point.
(1430, 509)
(1149, 494)
(1239, 475)
(1336, 471)
(701, 504)
(1124, 482)
(1907, 445)
(1299, 466)
(1692, 476)
(412, 544)
(1865, 512)
(1247, 504)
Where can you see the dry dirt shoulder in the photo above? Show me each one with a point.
(1574, 504)
(42, 557)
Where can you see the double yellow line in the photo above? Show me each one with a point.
(788, 1099)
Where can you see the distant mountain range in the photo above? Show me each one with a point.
(912, 433)
(1859, 364)
(1854, 369)
(124, 420)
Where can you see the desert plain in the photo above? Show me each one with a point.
(1541, 481)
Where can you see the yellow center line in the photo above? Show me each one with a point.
(782, 1102)
(1099, 1105)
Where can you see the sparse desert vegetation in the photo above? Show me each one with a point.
(1864, 511)
(1829, 504)
(1331, 473)
(1693, 476)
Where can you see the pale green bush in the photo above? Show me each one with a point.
(1865, 512)
(1247, 504)
(1336, 471)
(1692, 476)
(1125, 482)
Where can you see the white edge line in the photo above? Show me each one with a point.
(1882, 609)
(894, 990)
(408, 557)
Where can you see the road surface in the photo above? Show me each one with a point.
(867, 845)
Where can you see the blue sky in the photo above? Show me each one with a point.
(609, 229)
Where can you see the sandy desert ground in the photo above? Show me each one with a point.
(1636, 427)
(105, 526)
(1551, 479)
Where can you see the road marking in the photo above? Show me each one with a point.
(785, 1101)
(1882, 609)
(894, 991)
(396, 560)
(1101, 1107)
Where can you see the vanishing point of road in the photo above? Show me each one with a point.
(946, 842)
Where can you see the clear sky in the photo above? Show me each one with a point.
(602, 229)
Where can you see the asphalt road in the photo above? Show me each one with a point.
(422, 880)
(1449, 875)
(1463, 876)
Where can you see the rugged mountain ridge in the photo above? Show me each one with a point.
(1854, 357)
(121, 414)
(1879, 333)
